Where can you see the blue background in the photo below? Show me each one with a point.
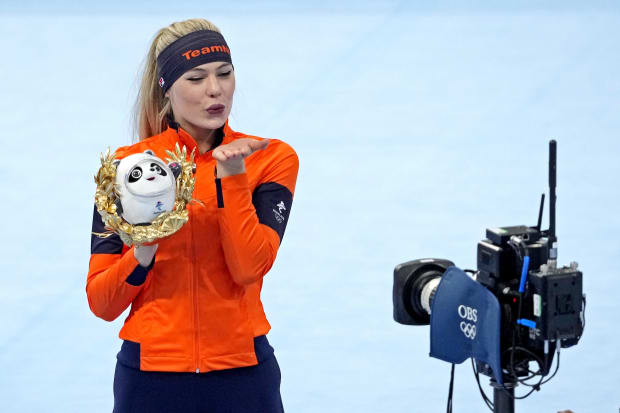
(418, 125)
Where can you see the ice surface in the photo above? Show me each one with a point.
(417, 127)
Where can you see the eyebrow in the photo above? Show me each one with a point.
(200, 69)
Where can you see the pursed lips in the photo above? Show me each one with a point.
(217, 108)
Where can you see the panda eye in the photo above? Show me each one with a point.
(156, 168)
(135, 174)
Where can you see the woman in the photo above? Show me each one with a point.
(195, 338)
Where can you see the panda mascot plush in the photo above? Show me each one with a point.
(146, 187)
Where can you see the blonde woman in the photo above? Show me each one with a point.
(195, 338)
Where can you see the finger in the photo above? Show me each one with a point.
(258, 145)
(217, 154)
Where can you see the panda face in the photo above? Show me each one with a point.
(136, 173)
(148, 178)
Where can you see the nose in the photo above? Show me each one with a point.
(213, 86)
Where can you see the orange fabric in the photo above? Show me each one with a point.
(199, 307)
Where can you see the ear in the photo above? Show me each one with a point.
(116, 162)
(119, 207)
(175, 168)
(150, 152)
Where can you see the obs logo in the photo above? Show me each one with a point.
(469, 314)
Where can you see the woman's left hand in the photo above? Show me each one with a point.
(230, 157)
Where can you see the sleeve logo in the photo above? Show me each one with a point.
(278, 214)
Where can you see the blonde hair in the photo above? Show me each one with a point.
(152, 107)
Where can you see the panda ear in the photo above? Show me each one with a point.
(116, 162)
(150, 152)
(175, 168)
(119, 207)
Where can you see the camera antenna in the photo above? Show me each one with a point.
(552, 180)
(540, 211)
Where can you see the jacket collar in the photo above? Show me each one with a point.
(224, 135)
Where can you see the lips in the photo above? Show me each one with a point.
(215, 109)
(150, 179)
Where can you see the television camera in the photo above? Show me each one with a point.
(540, 305)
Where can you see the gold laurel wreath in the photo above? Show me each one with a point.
(166, 223)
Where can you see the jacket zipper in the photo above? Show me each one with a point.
(195, 305)
(193, 287)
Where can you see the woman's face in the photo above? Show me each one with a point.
(202, 97)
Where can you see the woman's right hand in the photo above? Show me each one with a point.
(144, 253)
(230, 157)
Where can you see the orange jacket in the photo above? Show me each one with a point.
(197, 307)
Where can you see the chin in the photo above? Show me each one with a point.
(209, 123)
(214, 122)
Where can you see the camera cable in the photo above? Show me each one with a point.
(486, 399)
(450, 391)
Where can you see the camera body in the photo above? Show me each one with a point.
(550, 303)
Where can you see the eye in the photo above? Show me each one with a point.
(157, 169)
(135, 174)
(225, 74)
(194, 79)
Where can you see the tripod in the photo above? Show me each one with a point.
(503, 396)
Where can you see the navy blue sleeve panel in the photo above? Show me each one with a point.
(138, 275)
(111, 244)
(273, 202)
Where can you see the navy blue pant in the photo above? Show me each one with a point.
(251, 389)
